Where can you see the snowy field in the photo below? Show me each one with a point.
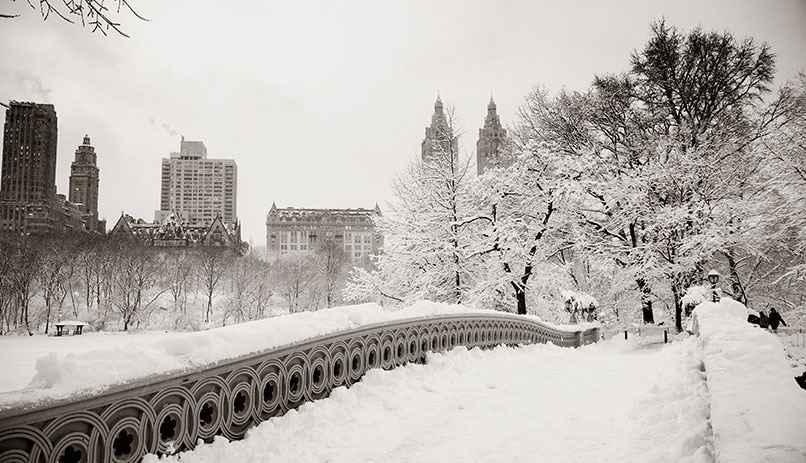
(726, 393)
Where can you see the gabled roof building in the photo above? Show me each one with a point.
(174, 232)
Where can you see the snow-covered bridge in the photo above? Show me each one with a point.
(248, 384)
(609, 402)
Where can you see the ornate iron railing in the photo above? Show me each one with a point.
(171, 412)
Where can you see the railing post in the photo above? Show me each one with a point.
(665, 335)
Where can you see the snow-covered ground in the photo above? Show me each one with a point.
(615, 402)
(725, 394)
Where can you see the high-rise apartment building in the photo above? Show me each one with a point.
(29, 162)
(84, 184)
(439, 141)
(197, 188)
(491, 139)
(295, 231)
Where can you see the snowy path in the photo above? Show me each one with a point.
(537, 403)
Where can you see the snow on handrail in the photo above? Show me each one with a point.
(171, 412)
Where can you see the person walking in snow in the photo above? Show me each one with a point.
(775, 319)
(716, 291)
(763, 321)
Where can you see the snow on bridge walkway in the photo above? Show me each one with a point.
(612, 402)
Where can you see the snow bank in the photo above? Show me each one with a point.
(61, 375)
(758, 413)
(673, 417)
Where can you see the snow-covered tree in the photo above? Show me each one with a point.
(426, 240)
(518, 229)
(213, 264)
(136, 278)
(656, 154)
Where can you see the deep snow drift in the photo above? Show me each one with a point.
(614, 402)
(755, 403)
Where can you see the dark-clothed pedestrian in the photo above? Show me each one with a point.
(763, 321)
(775, 319)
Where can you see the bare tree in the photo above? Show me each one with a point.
(51, 274)
(99, 15)
(137, 274)
(294, 274)
(6, 283)
(213, 263)
(330, 263)
(27, 259)
(178, 274)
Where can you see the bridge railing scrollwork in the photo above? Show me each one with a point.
(172, 412)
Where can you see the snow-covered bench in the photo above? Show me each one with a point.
(78, 327)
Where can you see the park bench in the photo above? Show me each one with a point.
(77, 327)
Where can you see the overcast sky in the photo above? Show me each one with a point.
(323, 103)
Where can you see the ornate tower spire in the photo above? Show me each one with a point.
(491, 137)
(84, 183)
(439, 140)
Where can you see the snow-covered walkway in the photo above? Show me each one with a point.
(615, 401)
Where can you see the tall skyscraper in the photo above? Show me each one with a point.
(197, 188)
(491, 138)
(84, 182)
(28, 177)
(439, 141)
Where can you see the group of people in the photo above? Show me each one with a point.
(767, 322)
(580, 312)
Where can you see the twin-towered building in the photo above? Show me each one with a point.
(441, 143)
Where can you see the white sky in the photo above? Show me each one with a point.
(322, 103)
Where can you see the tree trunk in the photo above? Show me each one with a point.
(646, 301)
(520, 297)
(736, 287)
(678, 307)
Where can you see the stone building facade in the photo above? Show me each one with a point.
(295, 231)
